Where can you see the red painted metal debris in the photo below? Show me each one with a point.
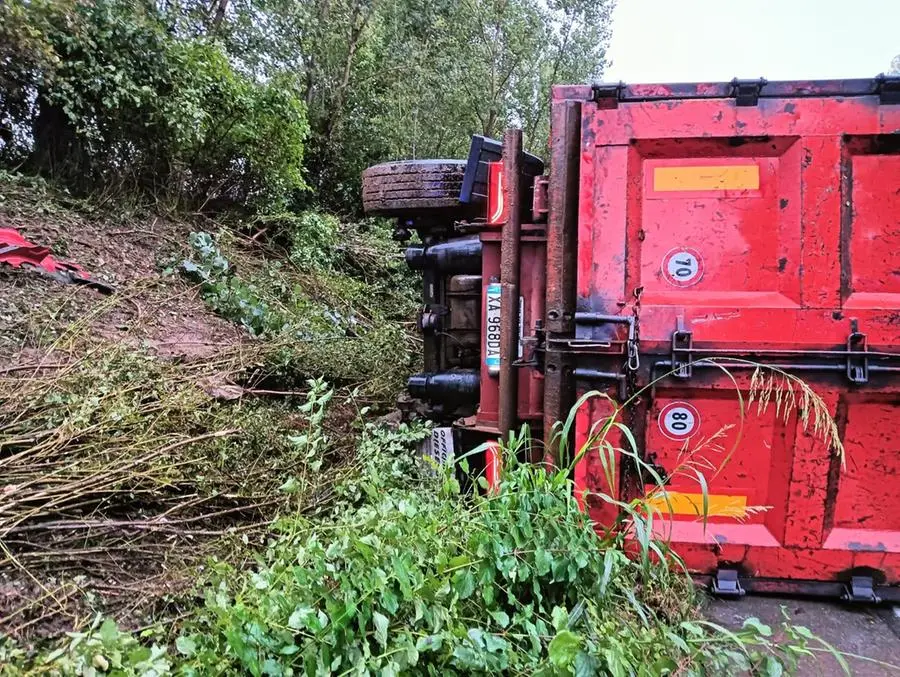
(18, 252)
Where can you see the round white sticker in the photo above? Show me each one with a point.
(682, 267)
(679, 420)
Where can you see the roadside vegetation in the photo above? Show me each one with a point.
(205, 473)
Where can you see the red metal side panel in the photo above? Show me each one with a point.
(772, 233)
(872, 228)
(865, 513)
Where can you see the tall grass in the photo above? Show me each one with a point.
(612, 441)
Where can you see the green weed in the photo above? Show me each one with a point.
(325, 321)
(407, 574)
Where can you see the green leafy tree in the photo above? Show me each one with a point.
(107, 96)
(245, 102)
(410, 79)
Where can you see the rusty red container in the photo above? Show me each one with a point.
(741, 224)
(685, 235)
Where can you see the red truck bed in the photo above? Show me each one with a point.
(686, 234)
(759, 222)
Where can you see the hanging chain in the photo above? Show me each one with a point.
(631, 375)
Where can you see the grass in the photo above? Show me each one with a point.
(407, 574)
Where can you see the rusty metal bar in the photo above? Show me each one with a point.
(562, 245)
(510, 249)
(783, 366)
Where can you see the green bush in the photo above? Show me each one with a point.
(404, 573)
(105, 96)
(328, 323)
(237, 142)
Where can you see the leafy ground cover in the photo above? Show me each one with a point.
(196, 481)
(408, 575)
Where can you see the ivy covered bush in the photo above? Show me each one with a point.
(109, 96)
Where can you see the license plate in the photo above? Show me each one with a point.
(492, 329)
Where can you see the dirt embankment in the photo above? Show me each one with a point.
(160, 313)
(131, 445)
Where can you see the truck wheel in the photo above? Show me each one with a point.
(413, 187)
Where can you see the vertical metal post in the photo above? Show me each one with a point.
(562, 246)
(510, 246)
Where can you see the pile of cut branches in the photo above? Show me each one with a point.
(116, 465)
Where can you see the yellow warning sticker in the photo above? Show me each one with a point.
(717, 505)
(709, 177)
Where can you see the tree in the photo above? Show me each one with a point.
(189, 88)
(412, 78)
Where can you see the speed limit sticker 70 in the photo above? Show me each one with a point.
(679, 420)
(682, 267)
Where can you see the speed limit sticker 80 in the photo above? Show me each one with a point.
(682, 267)
(679, 420)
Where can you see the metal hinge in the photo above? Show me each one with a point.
(607, 94)
(534, 348)
(727, 584)
(746, 92)
(861, 589)
(682, 340)
(857, 367)
(888, 89)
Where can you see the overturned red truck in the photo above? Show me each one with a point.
(684, 234)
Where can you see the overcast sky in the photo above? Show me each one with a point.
(702, 40)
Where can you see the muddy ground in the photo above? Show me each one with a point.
(856, 631)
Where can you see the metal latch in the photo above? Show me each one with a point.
(727, 584)
(857, 366)
(888, 89)
(746, 92)
(607, 94)
(682, 342)
(533, 348)
(861, 589)
(633, 361)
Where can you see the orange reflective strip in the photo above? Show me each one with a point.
(718, 505)
(722, 177)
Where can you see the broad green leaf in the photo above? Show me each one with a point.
(300, 617)
(501, 618)
(109, 631)
(381, 627)
(773, 667)
(758, 627)
(560, 618)
(563, 648)
(185, 645)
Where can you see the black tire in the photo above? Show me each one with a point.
(411, 187)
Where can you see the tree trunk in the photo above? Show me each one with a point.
(55, 151)
(221, 6)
